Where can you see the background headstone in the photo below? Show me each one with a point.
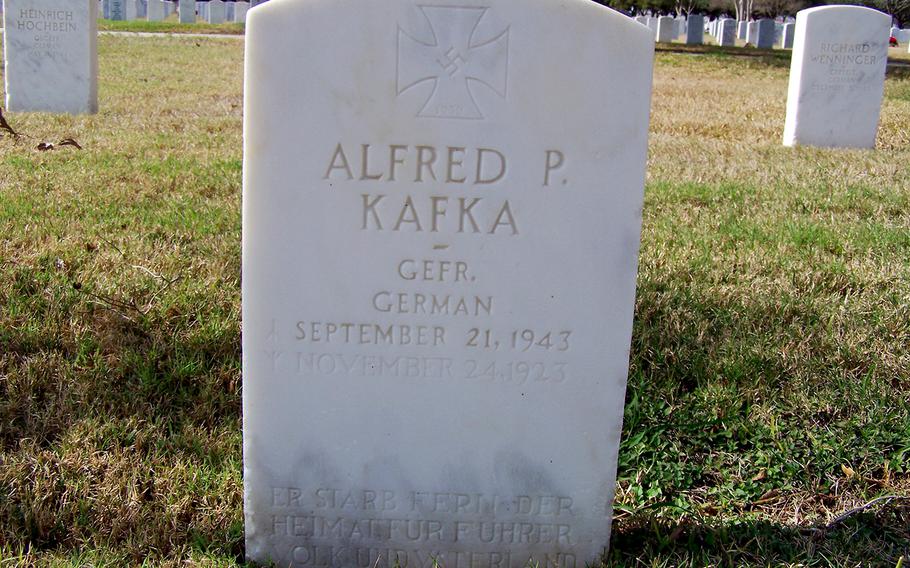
(752, 33)
(156, 11)
(215, 12)
(695, 33)
(666, 29)
(51, 55)
(240, 11)
(742, 29)
(786, 36)
(365, 405)
(764, 38)
(727, 33)
(187, 10)
(837, 77)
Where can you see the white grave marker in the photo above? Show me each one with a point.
(187, 9)
(666, 29)
(156, 11)
(726, 34)
(240, 10)
(837, 77)
(786, 36)
(695, 32)
(440, 241)
(216, 12)
(765, 34)
(51, 55)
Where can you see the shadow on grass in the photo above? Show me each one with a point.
(875, 538)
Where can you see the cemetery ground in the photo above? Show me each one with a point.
(770, 363)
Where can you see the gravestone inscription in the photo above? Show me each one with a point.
(433, 260)
(51, 55)
(837, 77)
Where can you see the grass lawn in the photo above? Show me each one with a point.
(770, 361)
(170, 25)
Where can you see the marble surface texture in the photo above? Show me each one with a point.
(441, 223)
(837, 77)
(51, 56)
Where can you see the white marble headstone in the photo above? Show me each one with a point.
(187, 10)
(666, 29)
(837, 76)
(742, 29)
(240, 10)
(216, 12)
(156, 10)
(440, 239)
(765, 34)
(695, 31)
(51, 55)
(786, 36)
(727, 35)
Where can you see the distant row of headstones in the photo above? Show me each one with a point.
(763, 33)
(836, 82)
(212, 11)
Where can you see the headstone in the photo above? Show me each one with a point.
(752, 33)
(742, 29)
(837, 76)
(786, 36)
(765, 34)
(229, 11)
(726, 37)
(51, 55)
(430, 372)
(216, 12)
(240, 11)
(141, 9)
(666, 29)
(652, 25)
(156, 11)
(695, 34)
(187, 10)
(643, 20)
(118, 10)
(105, 9)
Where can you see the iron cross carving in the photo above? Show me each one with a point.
(455, 60)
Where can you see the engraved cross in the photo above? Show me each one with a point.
(455, 60)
